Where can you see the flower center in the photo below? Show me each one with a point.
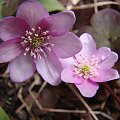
(35, 42)
(85, 67)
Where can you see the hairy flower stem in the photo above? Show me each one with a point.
(117, 99)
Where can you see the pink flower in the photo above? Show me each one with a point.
(89, 67)
(34, 40)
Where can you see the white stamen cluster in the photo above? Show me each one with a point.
(86, 68)
(35, 41)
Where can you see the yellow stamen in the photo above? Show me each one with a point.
(86, 68)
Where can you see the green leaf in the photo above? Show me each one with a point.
(105, 28)
(9, 7)
(3, 115)
(52, 5)
(0, 8)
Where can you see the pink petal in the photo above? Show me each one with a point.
(10, 50)
(88, 88)
(67, 62)
(102, 53)
(32, 12)
(110, 61)
(21, 68)
(68, 76)
(89, 46)
(106, 75)
(49, 68)
(59, 23)
(66, 45)
(11, 27)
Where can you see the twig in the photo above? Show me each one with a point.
(98, 4)
(77, 111)
(24, 104)
(112, 93)
(42, 87)
(36, 96)
(84, 102)
(95, 7)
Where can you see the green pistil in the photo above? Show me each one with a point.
(86, 69)
(37, 42)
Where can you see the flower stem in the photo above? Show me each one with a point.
(83, 101)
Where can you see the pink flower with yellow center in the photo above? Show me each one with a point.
(89, 67)
(34, 40)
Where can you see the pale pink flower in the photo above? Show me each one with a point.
(34, 40)
(89, 67)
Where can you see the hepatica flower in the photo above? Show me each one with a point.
(90, 67)
(34, 40)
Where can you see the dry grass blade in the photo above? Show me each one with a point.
(98, 4)
(77, 111)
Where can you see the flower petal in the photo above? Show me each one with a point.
(32, 12)
(49, 68)
(105, 75)
(59, 23)
(11, 27)
(21, 68)
(68, 76)
(110, 61)
(102, 53)
(66, 45)
(67, 62)
(89, 46)
(10, 50)
(88, 88)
